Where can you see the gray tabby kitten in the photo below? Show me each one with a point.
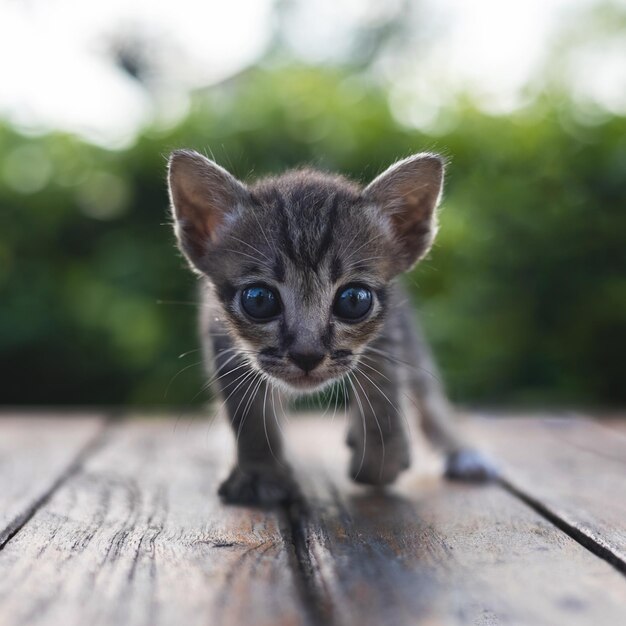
(298, 286)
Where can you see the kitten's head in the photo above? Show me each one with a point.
(301, 263)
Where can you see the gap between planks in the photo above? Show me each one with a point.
(549, 441)
(14, 526)
(577, 535)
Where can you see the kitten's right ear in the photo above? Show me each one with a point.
(203, 195)
(408, 193)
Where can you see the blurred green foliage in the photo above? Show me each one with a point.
(523, 297)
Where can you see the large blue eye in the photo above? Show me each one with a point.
(352, 302)
(260, 303)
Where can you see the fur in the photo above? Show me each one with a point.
(306, 235)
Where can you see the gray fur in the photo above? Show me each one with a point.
(306, 234)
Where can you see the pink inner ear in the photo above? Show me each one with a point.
(408, 193)
(198, 216)
(202, 193)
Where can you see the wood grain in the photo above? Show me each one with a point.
(36, 452)
(137, 536)
(130, 531)
(572, 468)
(431, 552)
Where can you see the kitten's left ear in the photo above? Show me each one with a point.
(408, 194)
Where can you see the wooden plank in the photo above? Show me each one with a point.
(432, 552)
(573, 468)
(36, 452)
(138, 536)
(615, 423)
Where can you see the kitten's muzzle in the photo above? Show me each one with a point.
(306, 361)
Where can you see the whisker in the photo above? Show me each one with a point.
(282, 407)
(367, 243)
(358, 399)
(395, 408)
(258, 380)
(251, 382)
(242, 379)
(267, 438)
(276, 417)
(380, 430)
(395, 359)
(406, 395)
(245, 243)
(184, 354)
(249, 256)
(180, 371)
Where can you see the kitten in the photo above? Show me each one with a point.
(298, 287)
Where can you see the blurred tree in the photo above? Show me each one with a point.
(524, 295)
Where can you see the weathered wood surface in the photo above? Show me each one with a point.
(573, 469)
(137, 536)
(129, 531)
(431, 552)
(35, 454)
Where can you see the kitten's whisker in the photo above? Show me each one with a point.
(373, 368)
(407, 422)
(203, 388)
(253, 394)
(256, 217)
(249, 256)
(358, 399)
(369, 258)
(380, 430)
(395, 359)
(251, 383)
(329, 397)
(214, 378)
(276, 416)
(282, 407)
(335, 394)
(367, 243)
(395, 408)
(180, 371)
(184, 354)
(243, 376)
(267, 438)
(245, 243)
(230, 371)
(258, 382)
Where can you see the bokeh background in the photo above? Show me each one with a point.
(524, 294)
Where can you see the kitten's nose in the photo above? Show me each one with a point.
(306, 361)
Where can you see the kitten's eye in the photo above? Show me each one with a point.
(352, 302)
(260, 303)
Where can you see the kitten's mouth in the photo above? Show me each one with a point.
(308, 382)
(298, 380)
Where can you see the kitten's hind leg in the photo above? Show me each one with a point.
(463, 462)
(261, 477)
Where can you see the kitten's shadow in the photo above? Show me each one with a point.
(369, 512)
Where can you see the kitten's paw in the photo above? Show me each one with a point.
(372, 467)
(259, 486)
(471, 466)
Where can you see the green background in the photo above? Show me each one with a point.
(523, 296)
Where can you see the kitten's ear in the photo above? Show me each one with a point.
(408, 193)
(203, 195)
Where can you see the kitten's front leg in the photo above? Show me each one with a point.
(261, 476)
(377, 434)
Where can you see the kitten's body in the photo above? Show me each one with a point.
(287, 264)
